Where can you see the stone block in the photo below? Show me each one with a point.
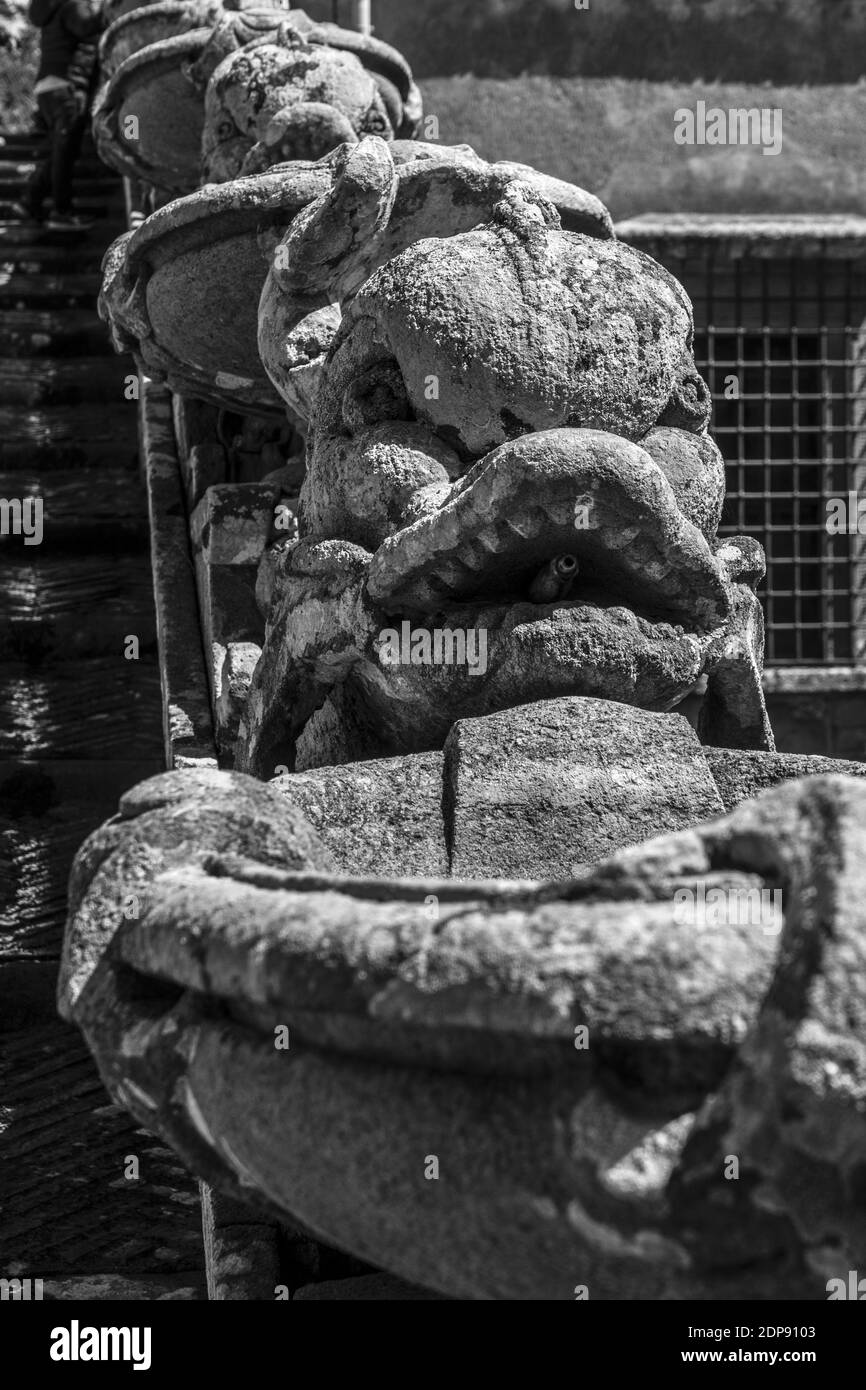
(538, 791)
(740, 775)
(378, 818)
(232, 523)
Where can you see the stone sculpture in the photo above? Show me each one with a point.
(193, 89)
(182, 291)
(509, 438)
(297, 92)
(582, 1059)
(471, 883)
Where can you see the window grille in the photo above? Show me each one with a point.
(780, 346)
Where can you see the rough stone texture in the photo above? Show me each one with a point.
(233, 523)
(382, 199)
(312, 86)
(284, 100)
(151, 86)
(159, 822)
(453, 471)
(233, 667)
(379, 818)
(242, 1253)
(139, 28)
(563, 783)
(365, 1288)
(450, 1035)
(181, 292)
(227, 595)
(740, 775)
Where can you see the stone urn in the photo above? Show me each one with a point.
(140, 28)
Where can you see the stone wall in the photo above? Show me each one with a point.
(725, 40)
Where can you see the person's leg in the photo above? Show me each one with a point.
(66, 142)
(38, 185)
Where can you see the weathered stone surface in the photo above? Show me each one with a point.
(233, 667)
(149, 24)
(279, 86)
(288, 98)
(489, 477)
(227, 596)
(233, 522)
(456, 1042)
(182, 292)
(147, 119)
(793, 1108)
(740, 775)
(381, 818)
(551, 786)
(188, 720)
(241, 1252)
(381, 200)
(160, 822)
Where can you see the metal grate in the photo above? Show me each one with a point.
(780, 356)
(787, 443)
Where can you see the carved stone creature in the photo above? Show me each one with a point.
(510, 438)
(182, 291)
(302, 88)
(291, 94)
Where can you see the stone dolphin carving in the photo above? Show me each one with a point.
(494, 403)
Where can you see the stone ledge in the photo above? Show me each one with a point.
(759, 236)
(813, 680)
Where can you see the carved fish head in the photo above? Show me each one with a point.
(509, 440)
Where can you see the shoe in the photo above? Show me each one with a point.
(69, 222)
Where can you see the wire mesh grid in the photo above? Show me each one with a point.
(780, 346)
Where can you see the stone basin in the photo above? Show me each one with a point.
(493, 1088)
(140, 28)
(150, 87)
(182, 291)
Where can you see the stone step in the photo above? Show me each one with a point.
(63, 611)
(65, 437)
(36, 259)
(16, 236)
(83, 510)
(14, 158)
(64, 381)
(100, 206)
(77, 290)
(50, 333)
(72, 1203)
(101, 707)
(15, 173)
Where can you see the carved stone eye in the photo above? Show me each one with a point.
(375, 123)
(225, 130)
